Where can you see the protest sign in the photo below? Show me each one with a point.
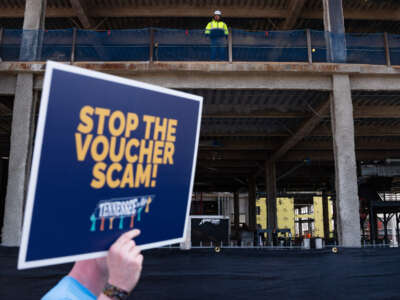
(110, 154)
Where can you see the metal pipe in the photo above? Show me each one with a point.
(1, 39)
(387, 49)
(151, 45)
(230, 55)
(309, 46)
(73, 45)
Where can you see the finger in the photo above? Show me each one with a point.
(128, 246)
(134, 252)
(139, 259)
(127, 236)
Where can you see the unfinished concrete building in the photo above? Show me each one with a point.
(308, 98)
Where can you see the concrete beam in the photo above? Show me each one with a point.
(348, 216)
(282, 68)
(238, 75)
(251, 80)
(375, 83)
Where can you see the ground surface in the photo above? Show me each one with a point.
(236, 274)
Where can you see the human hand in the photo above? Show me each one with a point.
(125, 262)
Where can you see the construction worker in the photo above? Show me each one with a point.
(217, 31)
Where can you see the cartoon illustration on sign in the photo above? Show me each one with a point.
(127, 207)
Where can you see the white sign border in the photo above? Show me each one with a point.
(50, 66)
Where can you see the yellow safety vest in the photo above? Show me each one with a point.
(216, 25)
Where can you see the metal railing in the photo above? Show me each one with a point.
(157, 44)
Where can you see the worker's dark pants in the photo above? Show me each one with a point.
(218, 48)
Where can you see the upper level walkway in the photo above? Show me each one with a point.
(156, 44)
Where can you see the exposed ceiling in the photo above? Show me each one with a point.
(361, 15)
(242, 128)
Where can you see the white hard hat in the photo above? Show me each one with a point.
(217, 13)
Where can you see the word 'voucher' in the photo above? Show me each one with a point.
(124, 156)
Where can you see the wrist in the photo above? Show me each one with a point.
(121, 284)
(114, 292)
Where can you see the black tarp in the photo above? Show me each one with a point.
(236, 274)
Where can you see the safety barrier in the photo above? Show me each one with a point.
(157, 44)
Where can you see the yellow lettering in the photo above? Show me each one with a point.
(99, 140)
(98, 176)
(127, 178)
(110, 181)
(116, 115)
(145, 151)
(171, 130)
(102, 113)
(160, 129)
(81, 150)
(131, 158)
(169, 151)
(132, 123)
(148, 120)
(143, 176)
(157, 152)
(86, 124)
(116, 157)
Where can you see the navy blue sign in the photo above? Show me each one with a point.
(111, 154)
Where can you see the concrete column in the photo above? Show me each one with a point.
(34, 19)
(335, 31)
(270, 174)
(21, 141)
(252, 203)
(325, 214)
(347, 203)
(22, 127)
